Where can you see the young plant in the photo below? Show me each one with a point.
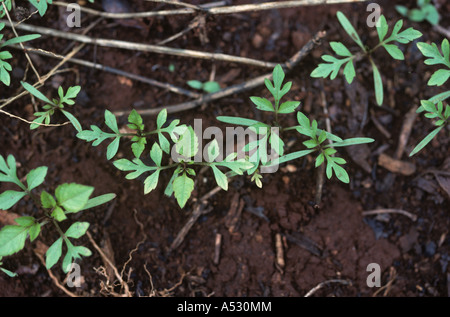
(314, 143)
(5, 67)
(182, 147)
(69, 198)
(434, 107)
(425, 11)
(333, 64)
(208, 87)
(43, 117)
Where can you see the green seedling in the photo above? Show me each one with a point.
(333, 64)
(434, 108)
(425, 11)
(68, 198)
(314, 143)
(208, 87)
(5, 67)
(181, 138)
(43, 117)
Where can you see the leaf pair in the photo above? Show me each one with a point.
(208, 87)
(425, 11)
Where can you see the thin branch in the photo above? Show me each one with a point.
(214, 10)
(320, 285)
(239, 88)
(30, 122)
(142, 47)
(119, 72)
(45, 77)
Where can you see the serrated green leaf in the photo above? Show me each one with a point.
(77, 229)
(319, 160)
(53, 253)
(139, 146)
(25, 221)
(73, 197)
(182, 188)
(323, 70)
(439, 77)
(288, 106)
(262, 104)
(36, 177)
(340, 49)
(238, 166)
(12, 239)
(394, 51)
(95, 134)
(151, 182)
(9, 198)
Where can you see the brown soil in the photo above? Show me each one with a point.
(334, 242)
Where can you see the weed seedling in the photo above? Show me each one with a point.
(68, 198)
(425, 11)
(333, 64)
(434, 107)
(208, 87)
